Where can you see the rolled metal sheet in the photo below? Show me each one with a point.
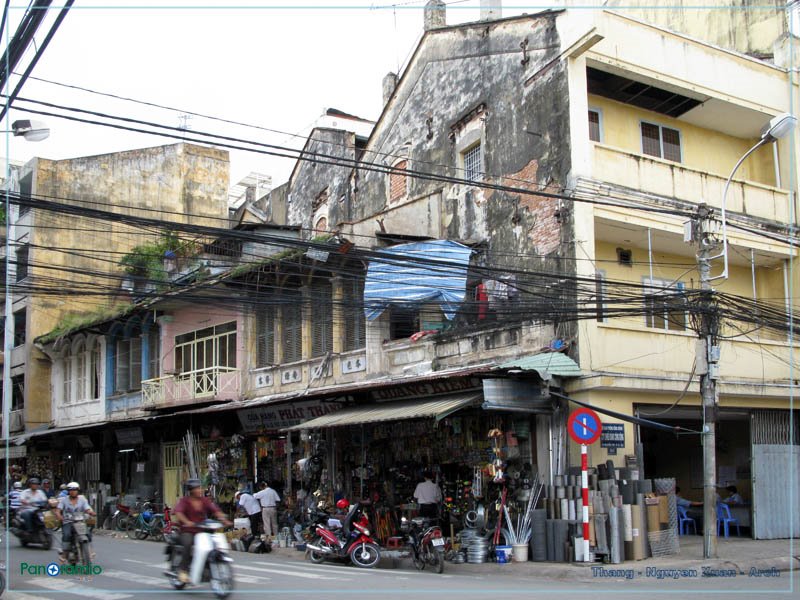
(565, 508)
(627, 491)
(614, 525)
(571, 509)
(627, 521)
(551, 539)
(601, 533)
(653, 522)
(612, 471)
(647, 486)
(637, 533)
(539, 535)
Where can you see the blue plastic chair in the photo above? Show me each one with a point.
(724, 519)
(684, 521)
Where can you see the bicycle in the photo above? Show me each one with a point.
(146, 524)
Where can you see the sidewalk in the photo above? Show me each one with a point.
(767, 557)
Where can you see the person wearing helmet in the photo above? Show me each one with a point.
(29, 499)
(71, 508)
(62, 490)
(190, 510)
(13, 497)
(47, 489)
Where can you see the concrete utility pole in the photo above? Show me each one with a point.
(707, 358)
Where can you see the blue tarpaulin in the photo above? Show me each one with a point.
(419, 272)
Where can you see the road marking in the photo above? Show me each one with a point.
(289, 574)
(135, 577)
(58, 584)
(24, 596)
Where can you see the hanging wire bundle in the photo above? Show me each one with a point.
(521, 534)
(190, 447)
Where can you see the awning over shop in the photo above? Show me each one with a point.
(439, 408)
(546, 364)
(434, 271)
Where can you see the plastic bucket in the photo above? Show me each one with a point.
(520, 552)
(503, 553)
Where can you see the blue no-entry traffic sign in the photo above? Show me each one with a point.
(584, 426)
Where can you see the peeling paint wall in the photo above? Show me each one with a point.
(470, 84)
(317, 190)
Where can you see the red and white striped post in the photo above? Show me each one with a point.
(585, 499)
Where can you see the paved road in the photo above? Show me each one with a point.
(133, 569)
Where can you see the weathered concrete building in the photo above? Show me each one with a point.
(180, 182)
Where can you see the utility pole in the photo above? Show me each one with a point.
(707, 358)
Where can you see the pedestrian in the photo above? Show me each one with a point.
(47, 489)
(269, 499)
(253, 509)
(428, 495)
(681, 501)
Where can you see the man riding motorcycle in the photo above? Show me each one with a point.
(29, 500)
(190, 510)
(70, 508)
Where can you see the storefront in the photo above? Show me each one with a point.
(379, 450)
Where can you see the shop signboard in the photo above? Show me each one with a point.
(426, 389)
(274, 417)
(130, 436)
(13, 451)
(612, 437)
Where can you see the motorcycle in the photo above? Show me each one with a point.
(79, 551)
(352, 541)
(426, 542)
(211, 561)
(38, 534)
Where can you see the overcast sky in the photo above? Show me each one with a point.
(273, 64)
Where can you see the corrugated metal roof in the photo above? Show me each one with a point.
(394, 411)
(554, 363)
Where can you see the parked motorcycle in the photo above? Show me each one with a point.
(211, 561)
(79, 551)
(426, 542)
(38, 533)
(352, 541)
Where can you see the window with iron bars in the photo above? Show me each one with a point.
(473, 159)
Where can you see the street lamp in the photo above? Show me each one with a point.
(777, 128)
(32, 131)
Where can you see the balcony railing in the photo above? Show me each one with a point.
(211, 383)
(676, 180)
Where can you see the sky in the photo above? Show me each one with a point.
(276, 65)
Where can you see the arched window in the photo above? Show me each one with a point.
(79, 361)
(93, 355)
(67, 369)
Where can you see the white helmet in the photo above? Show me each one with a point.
(73, 485)
(17, 485)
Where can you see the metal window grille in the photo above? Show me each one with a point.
(594, 125)
(472, 164)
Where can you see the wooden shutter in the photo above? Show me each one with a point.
(136, 363)
(122, 383)
(265, 336)
(292, 326)
(355, 333)
(321, 318)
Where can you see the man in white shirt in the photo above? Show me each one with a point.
(28, 501)
(253, 509)
(428, 495)
(269, 499)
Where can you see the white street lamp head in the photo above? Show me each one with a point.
(778, 127)
(33, 131)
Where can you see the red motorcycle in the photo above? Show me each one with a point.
(352, 541)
